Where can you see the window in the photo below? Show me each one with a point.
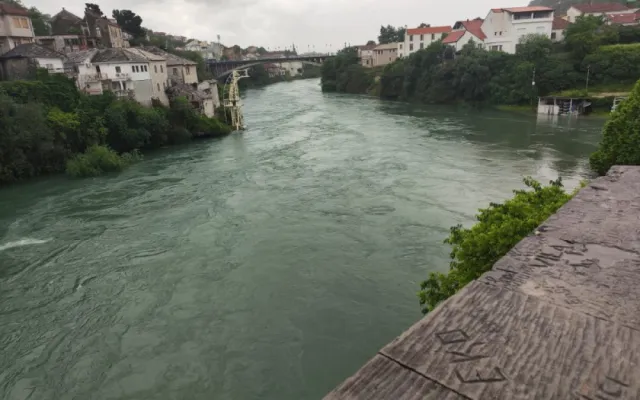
(20, 22)
(97, 68)
(553, 35)
(411, 38)
(411, 47)
(433, 36)
(49, 67)
(118, 70)
(421, 46)
(400, 46)
(161, 69)
(188, 70)
(421, 38)
(158, 86)
(175, 71)
(155, 69)
(146, 69)
(133, 68)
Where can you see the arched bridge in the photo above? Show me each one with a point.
(220, 69)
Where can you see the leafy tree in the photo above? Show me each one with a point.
(423, 25)
(621, 136)
(41, 22)
(499, 228)
(581, 37)
(94, 8)
(371, 43)
(390, 34)
(129, 22)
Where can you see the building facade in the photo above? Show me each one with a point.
(179, 70)
(384, 54)
(15, 27)
(505, 27)
(602, 9)
(365, 54)
(558, 28)
(157, 72)
(419, 38)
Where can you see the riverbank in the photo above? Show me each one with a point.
(47, 123)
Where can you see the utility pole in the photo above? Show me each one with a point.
(587, 84)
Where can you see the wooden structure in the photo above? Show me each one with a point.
(554, 105)
(556, 318)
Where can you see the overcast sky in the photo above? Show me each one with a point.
(279, 23)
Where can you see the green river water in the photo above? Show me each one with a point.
(270, 264)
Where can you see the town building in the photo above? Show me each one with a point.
(71, 33)
(179, 70)
(157, 71)
(22, 61)
(626, 19)
(384, 54)
(558, 28)
(505, 27)
(419, 38)
(365, 54)
(15, 27)
(199, 99)
(465, 32)
(125, 72)
(598, 9)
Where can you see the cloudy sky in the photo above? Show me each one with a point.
(324, 24)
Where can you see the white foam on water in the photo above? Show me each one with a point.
(22, 242)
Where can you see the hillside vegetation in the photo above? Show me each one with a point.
(561, 6)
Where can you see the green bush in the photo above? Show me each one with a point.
(499, 228)
(620, 142)
(98, 160)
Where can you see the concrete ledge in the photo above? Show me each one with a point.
(557, 318)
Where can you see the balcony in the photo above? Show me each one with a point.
(528, 17)
(120, 76)
(89, 78)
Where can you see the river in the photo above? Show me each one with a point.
(270, 264)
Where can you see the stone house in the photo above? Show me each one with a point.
(365, 53)
(15, 27)
(199, 99)
(180, 70)
(22, 61)
(419, 38)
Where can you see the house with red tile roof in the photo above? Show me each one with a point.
(419, 38)
(558, 27)
(626, 19)
(600, 9)
(505, 27)
(464, 32)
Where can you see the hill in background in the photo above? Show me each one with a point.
(561, 6)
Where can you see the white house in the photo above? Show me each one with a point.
(597, 10)
(504, 27)
(464, 32)
(419, 38)
(15, 27)
(125, 72)
(558, 29)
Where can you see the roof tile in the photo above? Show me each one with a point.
(31, 50)
(559, 23)
(429, 29)
(600, 8)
